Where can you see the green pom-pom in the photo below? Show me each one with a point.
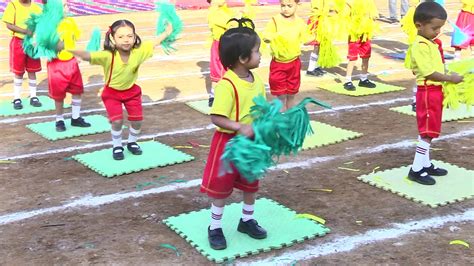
(94, 42)
(167, 16)
(44, 26)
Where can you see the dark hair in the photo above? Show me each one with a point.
(237, 42)
(427, 11)
(111, 32)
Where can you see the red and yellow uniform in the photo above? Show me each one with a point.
(120, 87)
(17, 13)
(233, 99)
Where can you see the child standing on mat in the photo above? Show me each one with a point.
(361, 23)
(465, 22)
(285, 33)
(123, 54)
(239, 53)
(427, 64)
(64, 74)
(316, 11)
(15, 17)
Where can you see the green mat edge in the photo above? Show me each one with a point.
(187, 158)
(65, 137)
(414, 114)
(166, 221)
(356, 135)
(381, 186)
(26, 101)
(194, 108)
(365, 94)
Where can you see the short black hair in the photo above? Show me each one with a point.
(427, 11)
(237, 42)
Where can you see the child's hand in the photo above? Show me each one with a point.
(246, 130)
(455, 78)
(29, 33)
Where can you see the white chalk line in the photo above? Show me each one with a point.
(95, 201)
(348, 243)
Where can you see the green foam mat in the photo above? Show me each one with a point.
(360, 91)
(448, 114)
(454, 187)
(154, 155)
(6, 107)
(286, 230)
(99, 124)
(325, 134)
(201, 106)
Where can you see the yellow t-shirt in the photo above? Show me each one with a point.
(17, 14)
(224, 98)
(425, 60)
(124, 75)
(286, 37)
(217, 19)
(468, 6)
(69, 33)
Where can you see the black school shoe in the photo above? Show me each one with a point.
(413, 107)
(314, 73)
(435, 171)
(17, 104)
(79, 122)
(421, 177)
(117, 153)
(60, 126)
(134, 148)
(210, 102)
(35, 102)
(367, 84)
(216, 238)
(349, 86)
(252, 229)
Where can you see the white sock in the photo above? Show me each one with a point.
(76, 108)
(216, 217)
(117, 138)
(32, 86)
(133, 134)
(348, 78)
(457, 54)
(247, 212)
(59, 118)
(422, 149)
(17, 88)
(415, 89)
(211, 94)
(363, 77)
(313, 61)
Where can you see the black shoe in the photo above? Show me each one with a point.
(134, 148)
(79, 122)
(367, 84)
(17, 104)
(393, 20)
(211, 101)
(60, 126)
(435, 171)
(314, 73)
(421, 177)
(216, 238)
(252, 229)
(320, 70)
(117, 153)
(413, 107)
(35, 102)
(349, 86)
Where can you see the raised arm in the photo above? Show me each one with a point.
(160, 38)
(83, 55)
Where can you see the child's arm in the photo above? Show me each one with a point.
(163, 35)
(453, 77)
(226, 123)
(17, 29)
(83, 55)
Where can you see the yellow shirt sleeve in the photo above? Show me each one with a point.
(421, 56)
(223, 99)
(145, 51)
(102, 58)
(9, 14)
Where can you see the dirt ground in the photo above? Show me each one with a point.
(41, 174)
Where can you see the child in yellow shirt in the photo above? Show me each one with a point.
(15, 17)
(285, 33)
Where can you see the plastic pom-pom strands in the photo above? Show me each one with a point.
(168, 16)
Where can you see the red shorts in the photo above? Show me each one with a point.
(131, 99)
(217, 71)
(429, 110)
(19, 61)
(64, 76)
(216, 182)
(285, 78)
(359, 48)
(313, 28)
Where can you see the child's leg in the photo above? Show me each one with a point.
(217, 210)
(248, 225)
(134, 132)
(60, 126)
(364, 77)
(34, 101)
(77, 120)
(290, 101)
(348, 85)
(313, 67)
(283, 99)
(248, 206)
(17, 84)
